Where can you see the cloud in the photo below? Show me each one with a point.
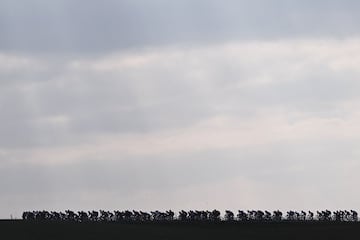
(286, 175)
(166, 89)
(87, 27)
(133, 126)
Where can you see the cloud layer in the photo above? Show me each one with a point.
(86, 27)
(237, 124)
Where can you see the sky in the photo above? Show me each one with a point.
(183, 104)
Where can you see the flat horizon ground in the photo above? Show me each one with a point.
(17, 229)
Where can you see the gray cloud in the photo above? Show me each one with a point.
(88, 27)
(74, 100)
(159, 104)
(284, 166)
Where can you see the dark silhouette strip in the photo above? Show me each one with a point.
(190, 216)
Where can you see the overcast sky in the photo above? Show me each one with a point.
(183, 104)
